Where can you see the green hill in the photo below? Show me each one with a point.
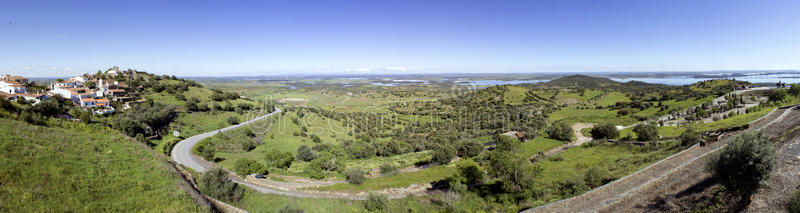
(580, 81)
(72, 167)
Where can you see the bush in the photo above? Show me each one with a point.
(690, 137)
(596, 177)
(215, 183)
(470, 171)
(291, 208)
(388, 168)
(304, 153)
(315, 138)
(646, 132)
(470, 148)
(745, 163)
(244, 167)
(777, 95)
(278, 159)
(207, 151)
(560, 131)
(443, 153)
(355, 176)
(794, 203)
(376, 202)
(233, 120)
(794, 90)
(605, 131)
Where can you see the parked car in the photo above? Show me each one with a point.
(260, 176)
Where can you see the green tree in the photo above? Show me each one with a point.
(794, 90)
(304, 153)
(560, 131)
(515, 173)
(470, 148)
(443, 153)
(207, 151)
(690, 137)
(470, 171)
(278, 159)
(215, 183)
(388, 168)
(245, 167)
(605, 131)
(507, 144)
(745, 163)
(233, 120)
(777, 95)
(646, 132)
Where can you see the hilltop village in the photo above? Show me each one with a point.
(100, 93)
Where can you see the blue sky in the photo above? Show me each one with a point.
(217, 38)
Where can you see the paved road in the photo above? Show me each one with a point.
(182, 152)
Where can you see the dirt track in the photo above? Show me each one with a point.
(675, 173)
(579, 139)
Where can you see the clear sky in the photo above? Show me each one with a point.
(217, 38)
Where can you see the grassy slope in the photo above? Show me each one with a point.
(428, 175)
(539, 144)
(83, 169)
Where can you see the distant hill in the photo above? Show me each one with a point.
(580, 81)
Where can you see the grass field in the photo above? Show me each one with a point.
(78, 168)
(619, 160)
(539, 144)
(428, 175)
(572, 115)
(611, 99)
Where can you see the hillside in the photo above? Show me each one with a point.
(83, 168)
(580, 81)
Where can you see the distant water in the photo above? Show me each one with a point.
(500, 82)
(686, 80)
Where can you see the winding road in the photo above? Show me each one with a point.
(182, 154)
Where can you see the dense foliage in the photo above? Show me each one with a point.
(646, 132)
(145, 118)
(245, 167)
(745, 163)
(215, 183)
(605, 131)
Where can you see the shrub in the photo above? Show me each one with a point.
(595, 177)
(304, 153)
(646, 132)
(470, 171)
(207, 151)
(777, 95)
(245, 167)
(355, 176)
(794, 203)
(233, 120)
(291, 208)
(388, 168)
(690, 137)
(215, 183)
(794, 90)
(605, 131)
(507, 144)
(278, 159)
(443, 153)
(560, 131)
(470, 148)
(745, 163)
(376, 202)
(315, 138)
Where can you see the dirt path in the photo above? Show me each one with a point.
(674, 173)
(579, 139)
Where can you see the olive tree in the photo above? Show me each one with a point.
(745, 163)
(605, 131)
